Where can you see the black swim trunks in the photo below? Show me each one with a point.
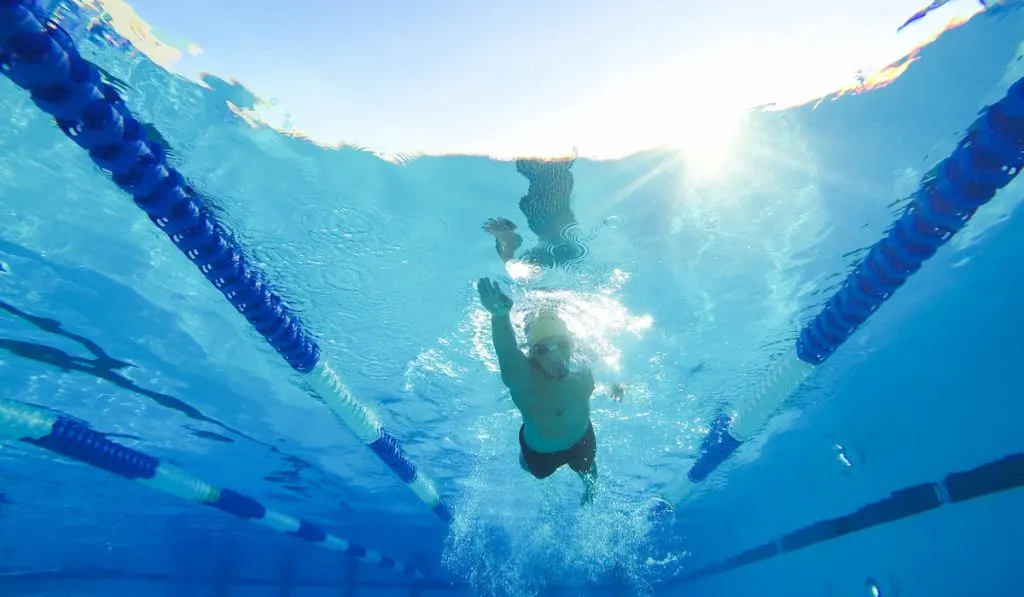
(579, 457)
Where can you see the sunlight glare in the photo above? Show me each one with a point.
(595, 319)
(707, 140)
(520, 270)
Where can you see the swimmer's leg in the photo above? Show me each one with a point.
(584, 462)
(589, 478)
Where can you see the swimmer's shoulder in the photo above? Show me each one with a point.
(585, 382)
(524, 391)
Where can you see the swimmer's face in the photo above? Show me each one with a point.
(553, 354)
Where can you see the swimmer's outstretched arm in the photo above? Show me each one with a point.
(515, 369)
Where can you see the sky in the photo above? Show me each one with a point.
(532, 77)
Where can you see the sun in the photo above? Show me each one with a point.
(708, 140)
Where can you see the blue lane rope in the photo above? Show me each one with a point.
(987, 159)
(39, 58)
(65, 436)
(935, 5)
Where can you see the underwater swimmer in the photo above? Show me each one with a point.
(550, 386)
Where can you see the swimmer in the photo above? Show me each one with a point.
(548, 214)
(551, 387)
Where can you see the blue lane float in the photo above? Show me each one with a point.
(935, 5)
(38, 57)
(987, 159)
(72, 439)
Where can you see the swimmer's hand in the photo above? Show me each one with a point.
(492, 298)
(506, 241)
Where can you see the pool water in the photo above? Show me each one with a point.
(684, 288)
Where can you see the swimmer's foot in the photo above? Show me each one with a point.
(506, 241)
(589, 479)
(588, 496)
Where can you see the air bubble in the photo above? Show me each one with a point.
(613, 222)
